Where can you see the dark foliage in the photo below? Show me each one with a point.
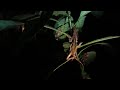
(31, 55)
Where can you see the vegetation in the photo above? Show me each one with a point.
(65, 29)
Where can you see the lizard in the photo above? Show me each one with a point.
(74, 46)
(73, 49)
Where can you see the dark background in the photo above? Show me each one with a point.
(33, 58)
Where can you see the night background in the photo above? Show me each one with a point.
(32, 54)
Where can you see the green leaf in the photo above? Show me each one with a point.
(99, 40)
(7, 24)
(91, 57)
(62, 21)
(63, 28)
(80, 22)
(63, 25)
(66, 46)
(84, 13)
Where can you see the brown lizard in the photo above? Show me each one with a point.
(73, 49)
(74, 46)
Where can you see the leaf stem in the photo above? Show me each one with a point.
(61, 65)
(49, 27)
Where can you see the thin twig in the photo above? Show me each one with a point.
(61, 65)
(49, 27)
(54, 19)
(51, 72)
